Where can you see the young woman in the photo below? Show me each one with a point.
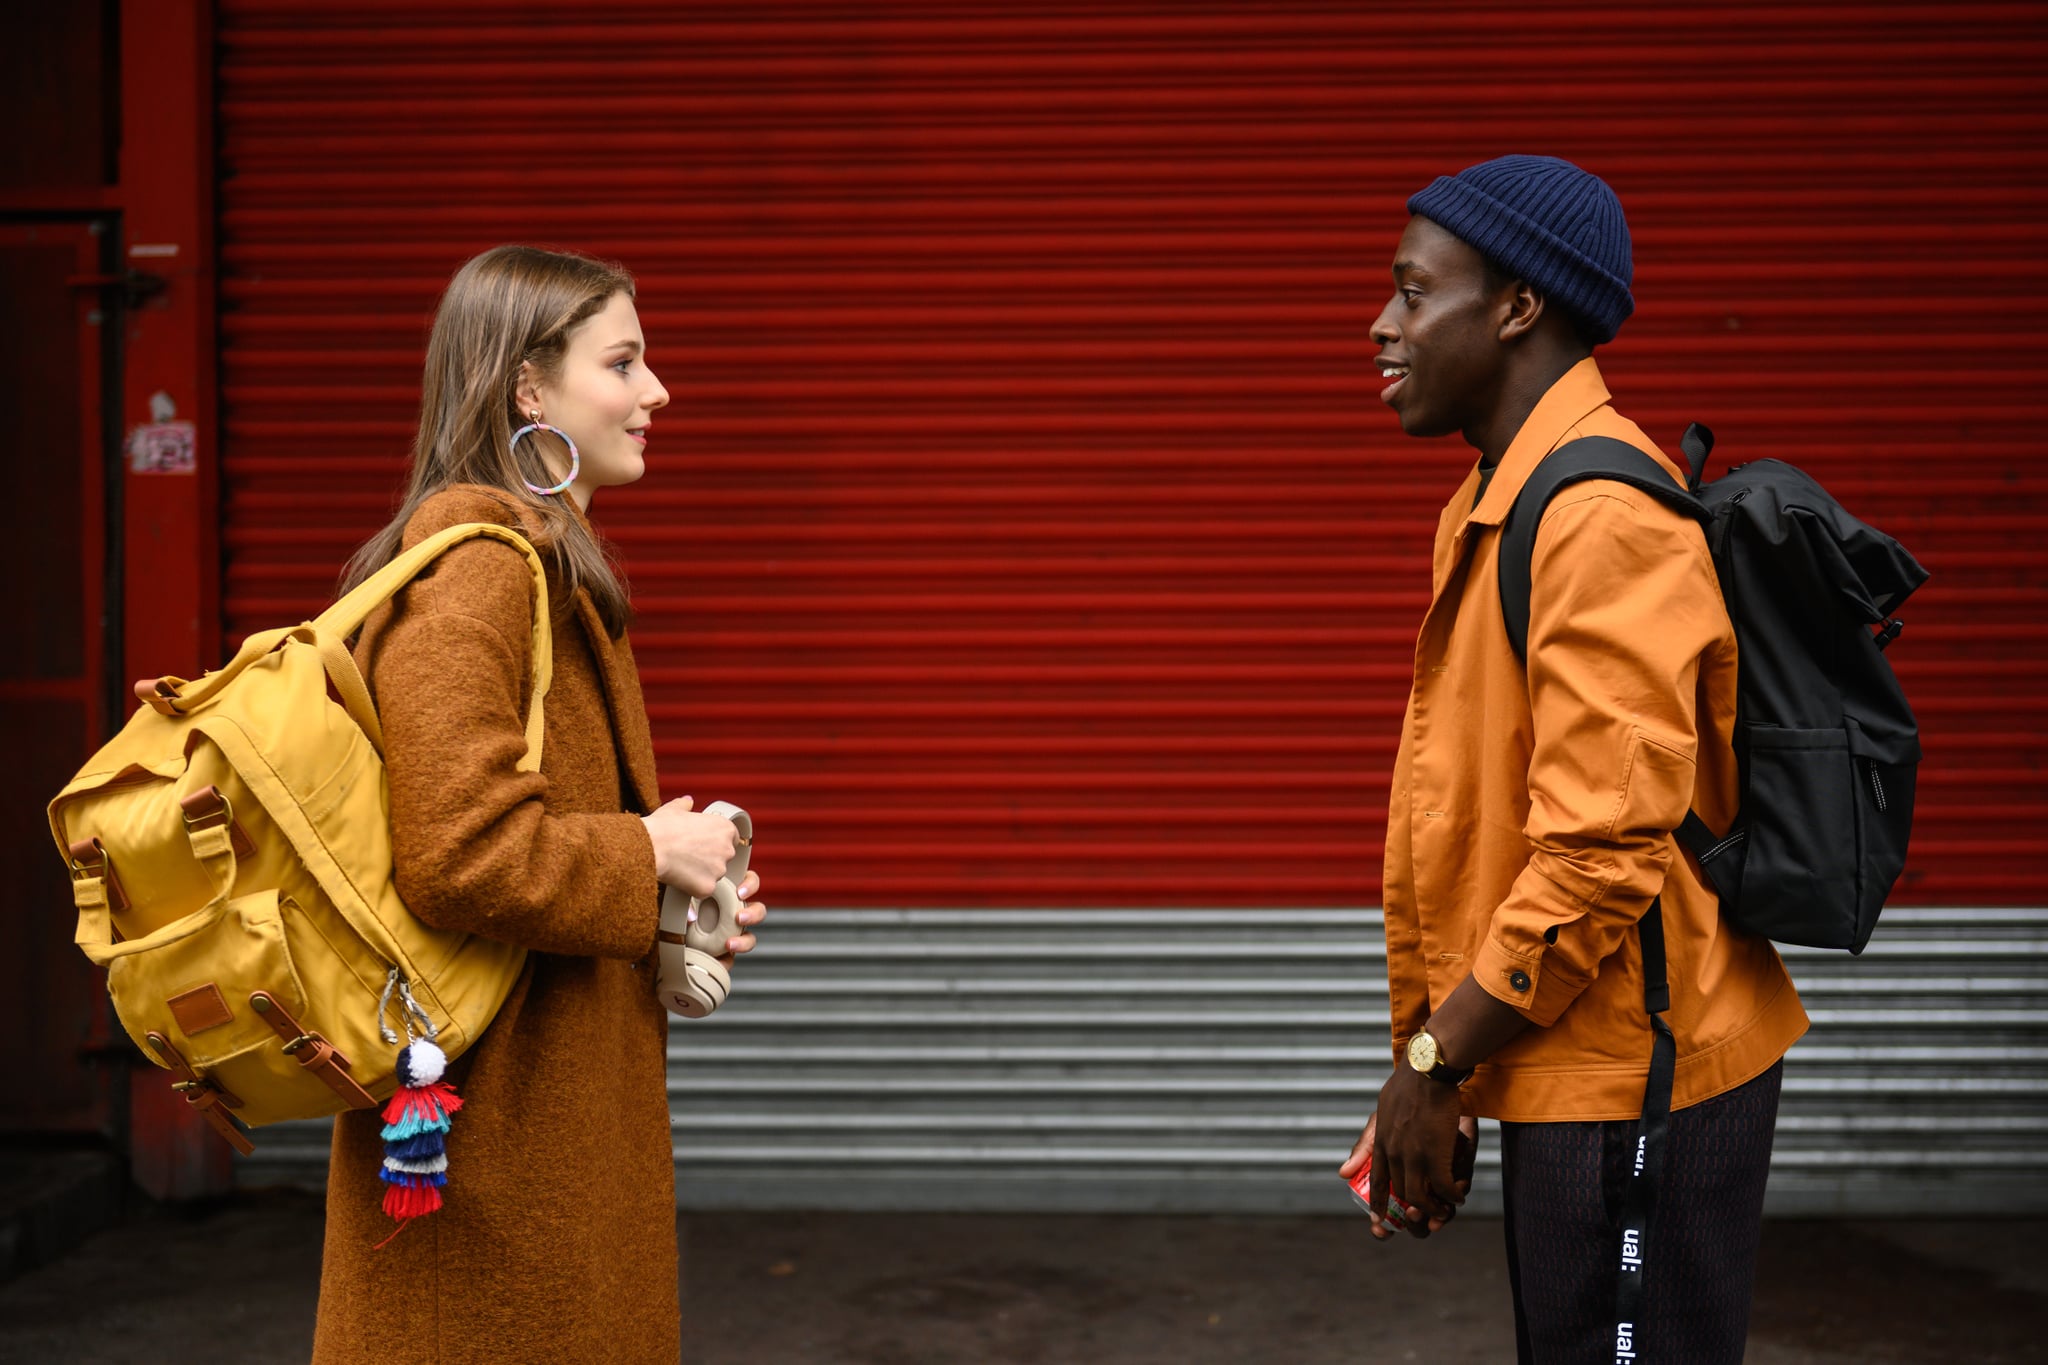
(557, 1238)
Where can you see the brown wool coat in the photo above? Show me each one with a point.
(557, 1242)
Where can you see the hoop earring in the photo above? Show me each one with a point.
(575, 457)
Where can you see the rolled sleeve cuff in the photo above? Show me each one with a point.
(1532, 982)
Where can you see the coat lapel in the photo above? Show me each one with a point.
(631, 734)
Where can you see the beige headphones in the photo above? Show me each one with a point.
(688, 976)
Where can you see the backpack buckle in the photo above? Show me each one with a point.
(89, 861)
(1890, 632)
(322, 1058)
(209, 808)
(206, 809)
(210, 1098)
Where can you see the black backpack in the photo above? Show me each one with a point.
(1825, 745)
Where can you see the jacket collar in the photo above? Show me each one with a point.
(1578, 393)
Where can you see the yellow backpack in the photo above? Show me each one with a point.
(230, 853)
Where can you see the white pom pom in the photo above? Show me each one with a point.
(425, 1062)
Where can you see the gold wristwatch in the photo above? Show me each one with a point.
(1423, 1056)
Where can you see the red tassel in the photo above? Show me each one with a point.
(410, 1201)
(431, 1102)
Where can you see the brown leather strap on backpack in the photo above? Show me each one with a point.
(208, 809)
(209, 1097)
(89, 862)
(159, 694)
(315, 1053)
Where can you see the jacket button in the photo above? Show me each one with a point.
(1519, 980)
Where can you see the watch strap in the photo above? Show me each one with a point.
(1450, 1075)
(1442, 1070)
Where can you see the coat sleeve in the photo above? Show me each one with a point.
(475, 847)
(1623, 607)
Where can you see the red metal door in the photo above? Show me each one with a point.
(1025, 531)
(54, 1026)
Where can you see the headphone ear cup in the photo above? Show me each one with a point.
(691, 983)
(688, 980)
(718, 919)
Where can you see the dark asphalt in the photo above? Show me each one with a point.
(237, 1281)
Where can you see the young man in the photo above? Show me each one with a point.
(1531, 818)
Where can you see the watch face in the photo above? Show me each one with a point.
(1422, 1052)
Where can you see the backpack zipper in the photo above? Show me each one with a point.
(1876, 783)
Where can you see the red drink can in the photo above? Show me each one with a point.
(1361, 1190)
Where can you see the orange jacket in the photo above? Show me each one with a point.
(1531, 814)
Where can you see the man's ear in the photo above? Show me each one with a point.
(1523, 310)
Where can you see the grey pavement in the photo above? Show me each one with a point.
(237, 1281)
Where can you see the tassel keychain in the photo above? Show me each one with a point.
(416, 1120)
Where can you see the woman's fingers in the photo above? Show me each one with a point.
(750, 915)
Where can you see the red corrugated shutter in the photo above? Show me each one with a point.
(1025, 529)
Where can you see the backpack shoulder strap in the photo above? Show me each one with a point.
(346, 616)
(1589, 457)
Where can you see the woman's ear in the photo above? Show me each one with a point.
(1524, 311)
(526, 389)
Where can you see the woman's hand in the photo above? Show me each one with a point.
(750, 915)
(691, 849)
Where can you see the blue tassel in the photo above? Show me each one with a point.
(412, 1125)
(431, 1143)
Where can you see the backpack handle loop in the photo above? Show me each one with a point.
(177, 697)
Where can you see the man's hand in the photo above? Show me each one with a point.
(1415, 1150)
(1415, 1140)
(1462, 1161)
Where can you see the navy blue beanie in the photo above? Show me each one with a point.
(1545, 221)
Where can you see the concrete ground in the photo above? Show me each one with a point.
(237, 1281)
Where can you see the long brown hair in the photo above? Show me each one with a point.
(510, 306)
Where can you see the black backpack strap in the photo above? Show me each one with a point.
(1603, 457)
(1589, 457)
(1639, 1200)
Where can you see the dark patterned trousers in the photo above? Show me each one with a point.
(1563, 1185)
